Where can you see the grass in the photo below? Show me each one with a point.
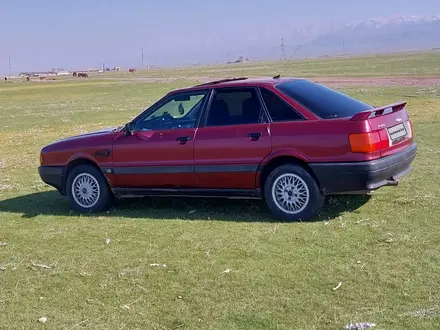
(385, 249)
(410, 64)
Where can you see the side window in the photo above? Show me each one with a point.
(181, 111)
(278, 109)
(237, 106)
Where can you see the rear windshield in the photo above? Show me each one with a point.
(324, 102)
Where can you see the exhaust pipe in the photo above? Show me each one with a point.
(392, 182)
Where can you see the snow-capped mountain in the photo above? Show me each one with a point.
(397, 20)
(400, 33)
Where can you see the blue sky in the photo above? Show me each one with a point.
(85, 33)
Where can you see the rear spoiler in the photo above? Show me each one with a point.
(379, 111)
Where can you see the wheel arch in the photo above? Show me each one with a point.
(75, 163)
(282, 160)
(103, 201)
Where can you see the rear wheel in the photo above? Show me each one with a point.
(87, 190)
(292, 194)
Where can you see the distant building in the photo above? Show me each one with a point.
(37, 74)
(44, 73)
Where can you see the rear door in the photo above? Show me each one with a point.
(232, 140)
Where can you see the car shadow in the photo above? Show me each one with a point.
(169, 208)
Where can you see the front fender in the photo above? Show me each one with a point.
(82, 155)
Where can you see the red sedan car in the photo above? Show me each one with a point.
(288, 141)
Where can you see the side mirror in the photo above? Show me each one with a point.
(128, 129)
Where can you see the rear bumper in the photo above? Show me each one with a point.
(53, 176)
(347, 178)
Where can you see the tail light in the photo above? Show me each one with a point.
(369, 142)
(41, 158)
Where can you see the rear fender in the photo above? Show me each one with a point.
(277, 154)
(282, 153)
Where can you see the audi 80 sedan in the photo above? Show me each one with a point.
(288, 141)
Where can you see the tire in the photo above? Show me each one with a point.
(288, 176)
(95, 185)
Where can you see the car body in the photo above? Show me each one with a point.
(289, 141)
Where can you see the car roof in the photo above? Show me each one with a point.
(238, 82)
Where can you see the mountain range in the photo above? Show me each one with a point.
(377, 35)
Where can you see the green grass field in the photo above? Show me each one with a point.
(410, 64)
(229, 265)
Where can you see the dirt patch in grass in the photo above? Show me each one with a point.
(335, 82)
(147, 79)
(5, 187)
(379, 81)
(365, 81)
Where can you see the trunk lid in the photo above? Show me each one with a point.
(393, 124)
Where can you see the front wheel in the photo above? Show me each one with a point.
(87, 190)
(292, 194)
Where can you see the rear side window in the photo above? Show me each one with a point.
(322, 101)
(235, 106)
(278, 109)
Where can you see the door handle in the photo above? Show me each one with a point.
(254, 136)
(183, 139)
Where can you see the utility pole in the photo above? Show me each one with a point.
(103, 66)
(283, 51)
(294, 52)
(9, 66)
(142, 51)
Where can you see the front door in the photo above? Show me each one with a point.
(160, 152)
(232, 140)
